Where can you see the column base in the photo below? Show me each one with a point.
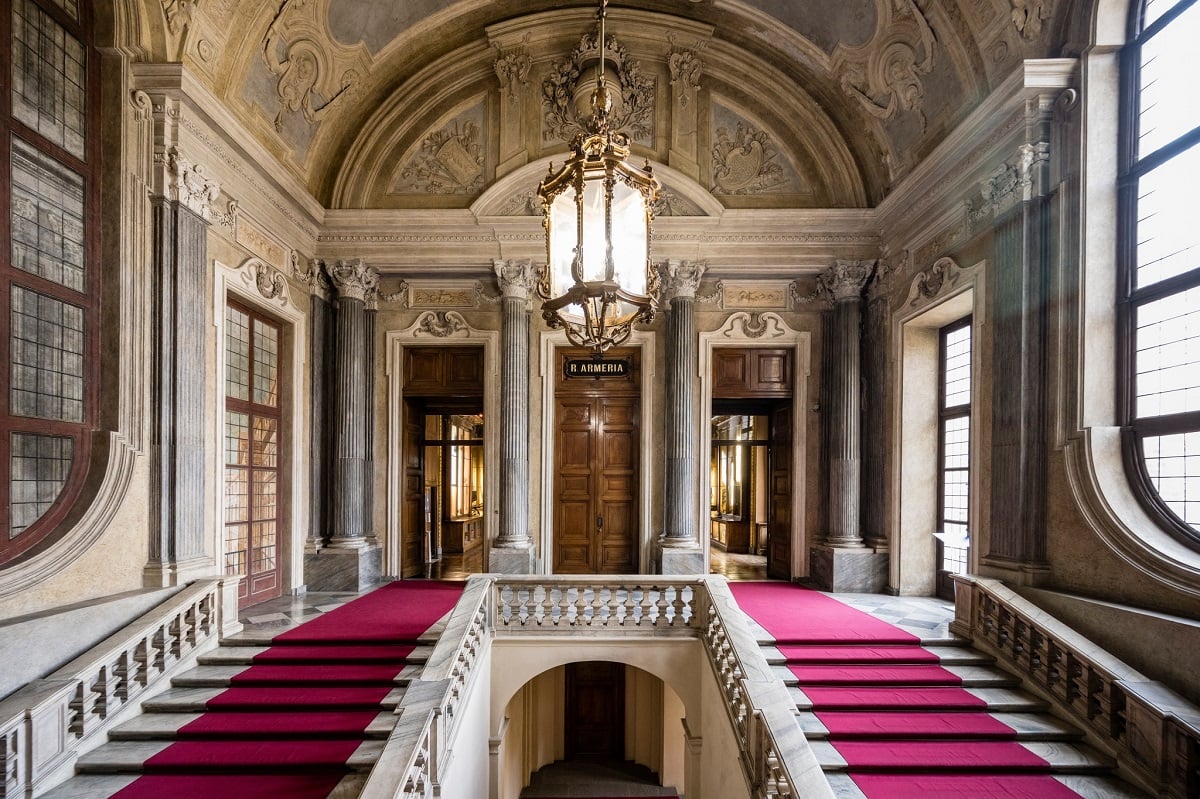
(510, 560)
(337, 569)
(848, 570)
(682, 560)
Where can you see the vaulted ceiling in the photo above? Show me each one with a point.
(747, 103)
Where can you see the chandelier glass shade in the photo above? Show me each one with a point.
(597, 210)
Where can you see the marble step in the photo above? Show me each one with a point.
(971, 676)
(194, 700)
(1086, 785)
(221, 676)
(1063, 757)
(1028, 726)
(119, 757)
(235, 654)
(103, 786)
(947, 656)
(997, 700)
(266, 638)
(164, 726)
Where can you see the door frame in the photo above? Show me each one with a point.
(756, 330)
(549, 343)
(243, 283)
(457, 333)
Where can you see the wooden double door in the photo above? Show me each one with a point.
(596, 477)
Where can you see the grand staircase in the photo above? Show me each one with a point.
(933, 719)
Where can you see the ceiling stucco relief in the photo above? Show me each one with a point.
(567, 88)
(449, 159)
(746, 159)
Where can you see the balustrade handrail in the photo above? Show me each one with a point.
(50, 722)
(771, 744)
(1152, 732)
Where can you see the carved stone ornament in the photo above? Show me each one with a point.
(227, 220)
(716, 296)
(569, 80)
(399, 296)
(449, 161)
(845, 280)
(680, 279)
(190, 185)
(307, 83)
(942, 275)
(685, 70)
(441, 324)
(512, 68)
(354, 279)
(754, 325)
(268, 280)
(745, 161)
(312, 274)
(885, 74)
(1029, 15)
(517, 278)
(179, 14)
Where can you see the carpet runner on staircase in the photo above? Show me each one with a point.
(905, 726)
(289, 724)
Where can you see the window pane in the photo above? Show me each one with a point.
(237, 439)
(1170, 72)
(237, 354)
(1173, 463)
(46, 346)
(1153, 9)
(49, 75)
(266, 363)
(1168, 355)
(39, 468)
(957, 386)
(1168, 238)
(47, 217)
(266, 444)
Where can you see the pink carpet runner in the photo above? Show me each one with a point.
(289, 722)
(904, 725)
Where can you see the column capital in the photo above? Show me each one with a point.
(189, 184)
(517, 278)
(845, 280)
(353, 279)
(681, 278)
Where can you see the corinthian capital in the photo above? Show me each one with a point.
(190, 185)
(845, 280)
(516, 278)
(681, 278)
(354, 279)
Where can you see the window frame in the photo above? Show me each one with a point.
(50, 525)
(944, 415)
(1130, 297)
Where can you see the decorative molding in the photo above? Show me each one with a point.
(685, 67)
(943, 275)
(569, 79)
(1028, 16)
(512, 68)
(189, 184)
(268, 280)
(305, 71)
(680, 279)
(517, 278)
(354, 279)
(845, 280)
(754, 325)
(756, 296)
(442, 324)
(885, 74)
(435, 297)
(262, 244)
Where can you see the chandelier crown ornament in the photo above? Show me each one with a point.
(597, 211)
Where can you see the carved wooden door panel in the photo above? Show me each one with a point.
(779, 532)
(596, 485)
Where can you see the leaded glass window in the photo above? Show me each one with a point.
(1159, 309)
(954, 450)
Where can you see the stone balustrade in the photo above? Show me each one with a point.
(45, 726)
(1153, 733)
(772, 748)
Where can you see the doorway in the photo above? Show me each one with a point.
(597, 445)
(594, 711)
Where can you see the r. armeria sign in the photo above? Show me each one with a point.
(596, 367)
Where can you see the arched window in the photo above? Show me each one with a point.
(49, 281)
(1159, 272)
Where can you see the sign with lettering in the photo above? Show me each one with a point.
(596, 367)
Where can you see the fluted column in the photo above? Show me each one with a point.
(681, 551)
(513, 549)
(845, 282)
(352, 280)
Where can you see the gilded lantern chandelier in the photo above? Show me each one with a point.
(597, 211)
